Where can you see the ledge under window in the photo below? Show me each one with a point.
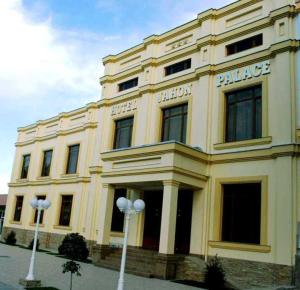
(34, 224)
(244, 143)
(240, 247)
(70, 175)
(15, 222)
(117, 234)
(66, 228)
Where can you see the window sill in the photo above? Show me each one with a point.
(15, 223)
(34, 224)
(71, 175)
(22, 180)
(244, 143)
(66, 228)
(117, 234)
(240, 247)
(43, 178)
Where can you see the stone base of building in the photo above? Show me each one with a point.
(247, 274)
(30, 284)
(46, 240)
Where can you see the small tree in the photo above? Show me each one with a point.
(74, 247)
(214, 274)
(30, 246)
(73, 268)
(11, 238)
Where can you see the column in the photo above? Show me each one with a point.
(168, 218)
(105, 214)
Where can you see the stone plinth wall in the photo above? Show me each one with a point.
(248, 274)
(47, 240)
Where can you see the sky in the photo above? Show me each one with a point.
(51, 51)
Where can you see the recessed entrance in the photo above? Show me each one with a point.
(152, 219)
(184, 221)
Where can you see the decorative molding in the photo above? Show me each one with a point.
(240, 247)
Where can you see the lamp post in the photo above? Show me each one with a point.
(126, 206)
(39, 205)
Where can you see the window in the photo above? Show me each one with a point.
(117, 222)
(177, 67)
(244, 114)
(36, 211)
(65, 210)
(25, 166)
(174, 123)
(18, 208)
(244, 44)
(46, 163)
(241, 221)
(72, 159)
(123, 133)
(128, 84)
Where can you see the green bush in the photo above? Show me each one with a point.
(214, 275)
(11, 238)
(30, 246)
(74, 247)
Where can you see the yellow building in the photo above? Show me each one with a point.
(203, 123)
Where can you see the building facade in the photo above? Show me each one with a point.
(203, 123)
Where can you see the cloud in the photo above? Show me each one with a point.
(44, 70)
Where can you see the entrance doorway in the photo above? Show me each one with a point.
(184, 221)
(153, 209)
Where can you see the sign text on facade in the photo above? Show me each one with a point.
(174, 93)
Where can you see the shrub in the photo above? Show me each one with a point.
(30, 246)
(11, 238)
(214, 275)
(74, 247)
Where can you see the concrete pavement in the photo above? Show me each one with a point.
(14, 263)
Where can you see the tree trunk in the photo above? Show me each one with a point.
(71, 282)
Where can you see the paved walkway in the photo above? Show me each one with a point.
(14, 263)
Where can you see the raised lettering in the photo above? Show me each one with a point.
(246, 74)
(220, 79)
(228, 78)
(236, 76)
(266, 67)
(256, 69)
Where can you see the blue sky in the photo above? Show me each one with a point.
(51, 51)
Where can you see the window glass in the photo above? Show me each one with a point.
(43, 197)
(174, 123)
(72, 159)
(65, 211)
(244, 114)
(128, 84)
(117, 222)
(244, 44)
(177, 67)
(123, 133)
(241, 213)
(25, 166)
(46, 163)
(18, 208)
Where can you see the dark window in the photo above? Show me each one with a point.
(18, 208)
(46, 163)
(123, 133)
(177, 67)
(244, 44)
(174, 123)
(65, 211)
(244, 115)
(117, 222)
(241, 213)
(42, 212)
(72, 159)
(128, 84)
(25, 166)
